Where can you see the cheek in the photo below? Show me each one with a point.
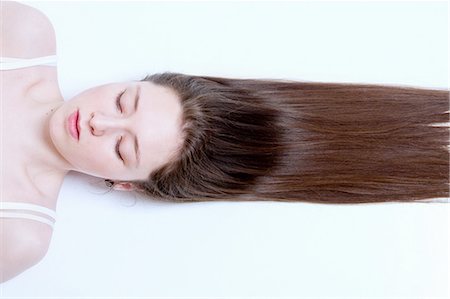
(94, 157)
(95, 164)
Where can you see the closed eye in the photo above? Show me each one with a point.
(119, 106)
(117, 150)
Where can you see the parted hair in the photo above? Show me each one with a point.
(282, 140)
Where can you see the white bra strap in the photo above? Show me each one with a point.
(27, 206)
(9, 63)
(9, 214)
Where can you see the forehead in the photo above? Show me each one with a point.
(158, 94)
(160, 112)
(160, 103)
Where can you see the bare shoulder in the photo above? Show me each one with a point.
(24, 244)
(25, 31)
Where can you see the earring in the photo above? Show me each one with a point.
(109, 183)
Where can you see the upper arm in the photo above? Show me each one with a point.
(25, 31)
(23, 244)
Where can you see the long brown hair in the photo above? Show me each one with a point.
(279, 140)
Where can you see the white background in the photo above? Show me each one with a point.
(113, 245)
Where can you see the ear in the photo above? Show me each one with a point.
(125, 187)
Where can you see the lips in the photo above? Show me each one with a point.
(73, 125)
(78, 124)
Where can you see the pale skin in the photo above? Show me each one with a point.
(105, 123)
(38, 150)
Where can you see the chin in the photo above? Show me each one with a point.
(55, 133)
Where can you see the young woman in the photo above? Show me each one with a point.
(195, 138)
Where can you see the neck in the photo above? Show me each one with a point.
(45, 156)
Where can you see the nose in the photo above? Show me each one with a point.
(101, 124)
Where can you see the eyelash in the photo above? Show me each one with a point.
(120, 109)
(117, 149)
(118, 100)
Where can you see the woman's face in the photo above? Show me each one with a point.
(119, 140)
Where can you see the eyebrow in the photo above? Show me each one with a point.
(136, 143)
